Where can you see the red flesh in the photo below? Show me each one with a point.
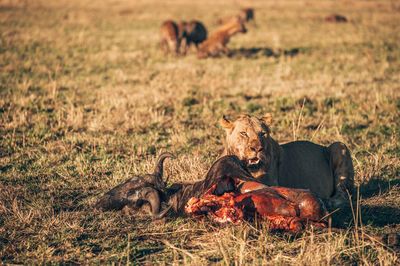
(284, 208)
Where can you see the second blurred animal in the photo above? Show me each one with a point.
(216, 43)
(245, 15)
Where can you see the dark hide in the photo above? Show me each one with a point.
(139, 190)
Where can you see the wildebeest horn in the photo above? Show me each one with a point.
(158, 170)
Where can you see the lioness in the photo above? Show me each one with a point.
(326, 171)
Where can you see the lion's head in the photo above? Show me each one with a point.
(248, 138)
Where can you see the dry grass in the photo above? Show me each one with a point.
(87, 99)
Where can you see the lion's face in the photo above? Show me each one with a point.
(247, 138)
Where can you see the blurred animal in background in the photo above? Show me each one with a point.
(192, 32)
(216, 43)
(227, 20)
(139, 191)
(245, 15)
(170, 37)
(336, 18)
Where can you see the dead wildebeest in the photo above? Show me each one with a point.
(216, 43)
(170, 38)
(150, 188)
(336, 18)
(138, 191)
(192, 32)
(226, 176)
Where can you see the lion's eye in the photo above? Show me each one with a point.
(243, 133)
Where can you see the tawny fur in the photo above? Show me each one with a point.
(170, 38)
(216, 43)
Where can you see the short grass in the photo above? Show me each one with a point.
(87, 99)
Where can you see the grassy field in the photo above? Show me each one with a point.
(87, 99)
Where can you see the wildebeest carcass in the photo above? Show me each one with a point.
(228, 193)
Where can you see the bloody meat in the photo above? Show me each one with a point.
(230, 201)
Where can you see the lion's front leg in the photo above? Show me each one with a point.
(343, 173)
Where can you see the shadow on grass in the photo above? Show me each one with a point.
(142, 252)
(258, 52)
(374, 212)
(377, 187)
(380, 215)
(370, 215)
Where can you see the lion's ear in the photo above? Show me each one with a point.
(226, 123)
(267, 119)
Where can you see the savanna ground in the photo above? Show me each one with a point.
(87, 100)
